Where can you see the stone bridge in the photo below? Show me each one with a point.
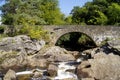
(97, 33)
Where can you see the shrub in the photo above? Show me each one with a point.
(35, 32)
(83, 39)
(2, 29)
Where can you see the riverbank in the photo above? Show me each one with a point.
(24, 59)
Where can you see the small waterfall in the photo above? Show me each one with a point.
(29, 72)
(24, 73)
(64, 71)
(62, 74)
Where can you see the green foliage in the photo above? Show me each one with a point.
(35, 32)
(98, 18)
(76, 37)
(68, 20)
(75, 41)
(2, 28)
(105, 41)
(63, 38)
(78, 15)
(114, 14)
(97, 12)
(2, 36)
(17, 12)
(83, 39)
(52, 14)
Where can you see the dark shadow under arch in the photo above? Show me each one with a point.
(75, 41)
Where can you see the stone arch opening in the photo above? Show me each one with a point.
(75, 41)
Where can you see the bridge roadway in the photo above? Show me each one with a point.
(96, 33)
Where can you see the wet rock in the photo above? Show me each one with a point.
(109, 49)
(52, 70)
(58, 54)
(39, 78)
(38, 63)
(76, 54)
(88, 79)
(70, 70)
(68, 79)
(115, 43)
(37, 74)
(106, 48)
(101, 67)
(24, 77)
(10, 75)
(87, 54)
(52, 73)
(21, 43)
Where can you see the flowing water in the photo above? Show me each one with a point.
(62, 73)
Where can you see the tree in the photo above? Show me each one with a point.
(16, 12)
(79, 15)
(97, 12)
(90, 15)
(114, 14)
(113, 1)
(97, 18)
(101, 4)
(51, 12)
(68, 19)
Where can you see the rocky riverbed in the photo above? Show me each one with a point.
(24, 59)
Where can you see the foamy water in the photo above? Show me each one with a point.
(24, 73)
(62, 74)
(29, 72)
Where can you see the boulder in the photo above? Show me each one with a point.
(18, 62)
(88, 79)
(10, 60)
(76, 54)
(10, 75)
(68, 79)
(52, 70)
(37, 74)
(101, 67)
(38, 63)
(115, 43)
(21, 43)
(56, 53)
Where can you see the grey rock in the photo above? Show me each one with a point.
(13, 61)
(10, 75)
(88, 79)
(21, 43)
(56, 53)
(101, 67)
(115, 43)
(40, 63)
(52, 70)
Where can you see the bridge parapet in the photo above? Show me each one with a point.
(97, 33)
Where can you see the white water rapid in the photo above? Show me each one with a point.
(62, 74)
(24, 73)
(29, 72)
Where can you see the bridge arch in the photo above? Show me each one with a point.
(75, 41)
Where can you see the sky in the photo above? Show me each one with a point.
(65, 5)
